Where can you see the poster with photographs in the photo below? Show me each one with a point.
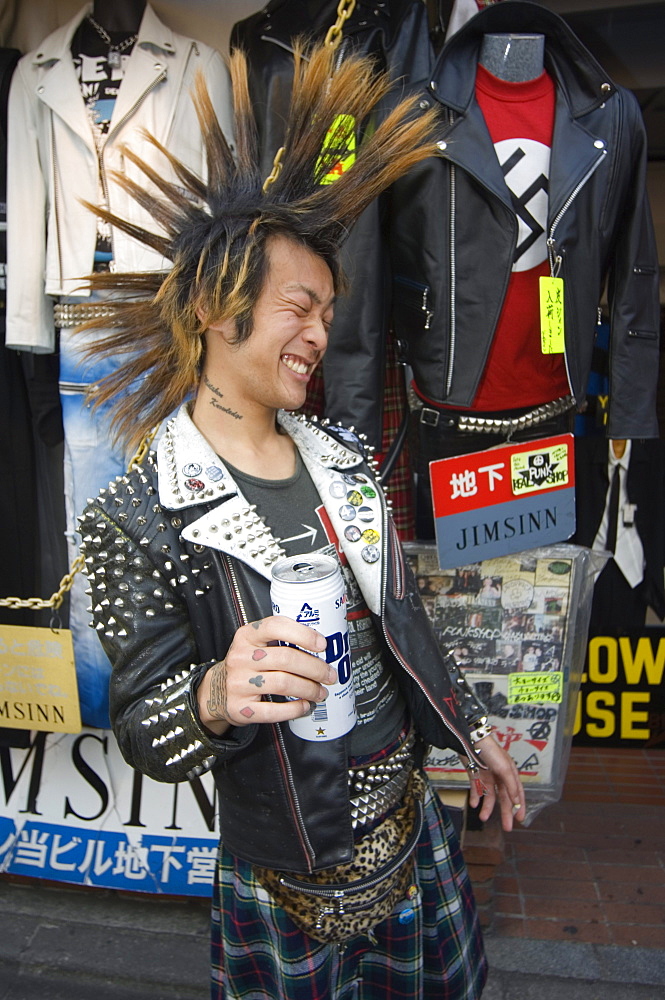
(512, 625)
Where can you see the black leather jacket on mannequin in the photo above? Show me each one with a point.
(455, 230)
(396, 33)
(174, 575)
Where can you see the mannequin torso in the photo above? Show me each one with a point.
(119, 15)
(515, 58)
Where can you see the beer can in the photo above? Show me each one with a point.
(310, 589)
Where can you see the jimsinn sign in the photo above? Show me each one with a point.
(72, 810)
(507, 499)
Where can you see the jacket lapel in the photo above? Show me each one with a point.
(58, 87)
(191, 474)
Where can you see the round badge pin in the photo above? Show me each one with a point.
(352, 533)
(192, 469)
(347, 512)
(337, 489)
(370, 536)
(370, 553)
(195, 485)
(366, 514)
(368, 492)
(354, 497)
(215, 473)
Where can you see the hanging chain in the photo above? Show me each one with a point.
(55, 600)
(333, 37)
(345, 9)
(276, 169)
(142, 450)
(105, 37)
(67, 582)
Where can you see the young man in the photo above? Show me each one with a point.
(180, 554)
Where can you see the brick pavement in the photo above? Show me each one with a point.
(590, 868)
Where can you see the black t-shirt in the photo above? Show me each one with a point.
(296, 516)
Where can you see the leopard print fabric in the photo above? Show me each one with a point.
(335, 918)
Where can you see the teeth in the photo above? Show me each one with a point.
(296, 366)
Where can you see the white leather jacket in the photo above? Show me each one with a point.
(53, 163)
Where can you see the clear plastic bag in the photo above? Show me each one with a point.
(517, 626)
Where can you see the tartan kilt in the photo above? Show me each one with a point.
(259, 954)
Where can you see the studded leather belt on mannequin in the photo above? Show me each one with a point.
(495, 425)
(376, 788)
(70, 314)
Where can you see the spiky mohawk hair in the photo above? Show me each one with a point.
(216, 231)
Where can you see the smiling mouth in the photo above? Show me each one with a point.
(297, 365)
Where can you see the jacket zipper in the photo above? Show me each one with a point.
(282, 45)
(398, 563)
(56, 198)
(81, 387)
(287, 763)
(116, 127)
(453, 268)
(339, 891)
(453, 279)
(472, 766)
(289, 48)
(555, 259)
(424, 291)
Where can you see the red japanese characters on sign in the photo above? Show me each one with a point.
(499, 475)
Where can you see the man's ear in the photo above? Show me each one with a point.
(223, 326)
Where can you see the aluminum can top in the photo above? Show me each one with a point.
(304, 568)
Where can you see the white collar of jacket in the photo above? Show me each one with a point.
(57, 45)
(190, 473)
(151, 59)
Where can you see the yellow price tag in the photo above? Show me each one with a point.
(38, 687)
(535, 688)
(551, 315)
(341, 140)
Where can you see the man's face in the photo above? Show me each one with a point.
(292, 316)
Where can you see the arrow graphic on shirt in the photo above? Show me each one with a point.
(310, 533)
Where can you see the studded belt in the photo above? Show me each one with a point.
(70, 314)
(376, 788)
(496, 425)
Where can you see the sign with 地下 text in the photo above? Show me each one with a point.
(507, 499)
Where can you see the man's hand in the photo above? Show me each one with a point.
(232, 691)
(500, 782)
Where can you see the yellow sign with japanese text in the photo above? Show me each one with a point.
(38, 687)
(534, 688)
(551, 316)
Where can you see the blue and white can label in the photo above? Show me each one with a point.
(310, 589)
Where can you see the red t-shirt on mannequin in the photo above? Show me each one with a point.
(520, 120)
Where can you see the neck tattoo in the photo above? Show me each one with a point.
(218, 406)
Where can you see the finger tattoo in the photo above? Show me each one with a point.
(258, 680)
(247, 712)
(258, 654)
(257, 625)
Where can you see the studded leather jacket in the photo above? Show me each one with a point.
(178, 561)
